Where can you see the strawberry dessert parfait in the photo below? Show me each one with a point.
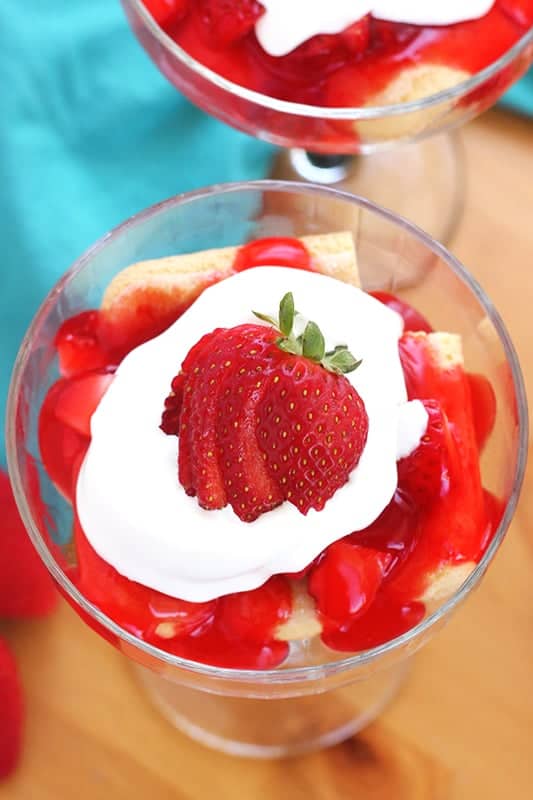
(275, 476)
(338, 55)
(344, 53)
(335, 81)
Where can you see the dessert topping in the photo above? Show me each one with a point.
(265, 414)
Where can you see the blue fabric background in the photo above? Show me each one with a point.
(90, 133)
(520, 96)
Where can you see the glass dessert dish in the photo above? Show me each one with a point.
(286, 678)
(337, 97)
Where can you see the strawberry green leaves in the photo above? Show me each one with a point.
(311, 343)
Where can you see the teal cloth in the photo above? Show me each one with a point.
(90, 133)
(519, 98)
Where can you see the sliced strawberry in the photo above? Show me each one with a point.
(191, 370)
(283, 252)
(11, 712)
(484, 407)
(312, 428)
(260, 423)
(253, 616)
(228, 21)
(26, 588)
(433, 369)
(425, 474)
(79, 398)
(201, 420)
(167, 11)
(346, 580)
(60, 445)
(170, 418)
(454, 530)
(219, 458)
(249, 487)
(221, 372)
(79, 345)
(412, 319)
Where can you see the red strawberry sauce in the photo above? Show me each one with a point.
(283, 252)
(366, 587)
(345, 69)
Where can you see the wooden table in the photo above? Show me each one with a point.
(463, 727)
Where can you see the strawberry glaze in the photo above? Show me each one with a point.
(398, 550)
(347, 69)
(283, 252)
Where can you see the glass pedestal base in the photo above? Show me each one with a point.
(423, 182)
(273, 727)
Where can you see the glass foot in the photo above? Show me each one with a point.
(275, 727)
(423, 182)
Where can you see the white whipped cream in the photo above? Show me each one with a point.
(288, 23)
(413, 420)
(130, 503)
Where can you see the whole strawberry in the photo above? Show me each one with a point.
(265, 415)
(26, 588)
(11, 712)
(26, 591)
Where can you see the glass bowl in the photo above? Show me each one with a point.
(300, 706)
(319, 129)
(424, 182)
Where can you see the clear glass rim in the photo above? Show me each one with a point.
(290, 675)
(322, 112)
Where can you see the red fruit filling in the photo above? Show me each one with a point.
(165, 11)
(235, 631)
(367, 586)
(226, 22)
(345, 69)
(346, 581)
(278, 251)
(64, 425)
(484, 407)
(79, 346)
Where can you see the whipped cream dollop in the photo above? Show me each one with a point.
(130, 503)
(288, 23)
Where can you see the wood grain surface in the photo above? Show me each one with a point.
(463, 726)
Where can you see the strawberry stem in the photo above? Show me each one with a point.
(311, 343)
